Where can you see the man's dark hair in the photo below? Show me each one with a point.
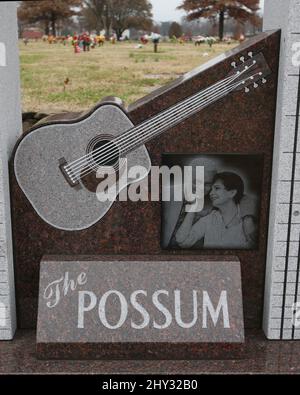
(231, 182)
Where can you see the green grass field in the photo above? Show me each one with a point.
(113, 70)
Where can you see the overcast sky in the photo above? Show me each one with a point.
(165, 10)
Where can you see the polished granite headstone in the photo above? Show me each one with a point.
(90, 308)
(240, 123)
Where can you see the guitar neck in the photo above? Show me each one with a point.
(250, 73)
(171, 117)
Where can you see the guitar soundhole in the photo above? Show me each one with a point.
(104, 153)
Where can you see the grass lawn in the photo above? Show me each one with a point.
(113, 70)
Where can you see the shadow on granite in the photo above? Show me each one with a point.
(263, 357)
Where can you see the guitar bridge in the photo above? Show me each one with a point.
(68, 175)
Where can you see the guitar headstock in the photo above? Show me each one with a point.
(250, 72)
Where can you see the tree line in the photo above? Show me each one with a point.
(119, 15)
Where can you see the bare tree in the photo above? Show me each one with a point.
(118, 15)
(47, 11)
(242, 10)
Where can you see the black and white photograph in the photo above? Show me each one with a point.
(228, 217)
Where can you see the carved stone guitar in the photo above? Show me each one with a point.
(55, 164)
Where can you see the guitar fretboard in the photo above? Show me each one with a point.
(177, 113)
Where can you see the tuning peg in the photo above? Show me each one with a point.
(263, 80)
(247, 90)
(250, 54)
(233, 64)
(242, 59)
(255, 85)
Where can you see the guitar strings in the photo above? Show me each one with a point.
(136, 129)
(165, 124)
(197, 104)
(194, 100)
(92, 168)
(95, 167)
(152, 132)
(156, 118)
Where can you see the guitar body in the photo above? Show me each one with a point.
(40, 153)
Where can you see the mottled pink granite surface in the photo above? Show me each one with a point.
(263, 357)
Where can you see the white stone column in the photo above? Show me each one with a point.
(10, 130)
(282, 290)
